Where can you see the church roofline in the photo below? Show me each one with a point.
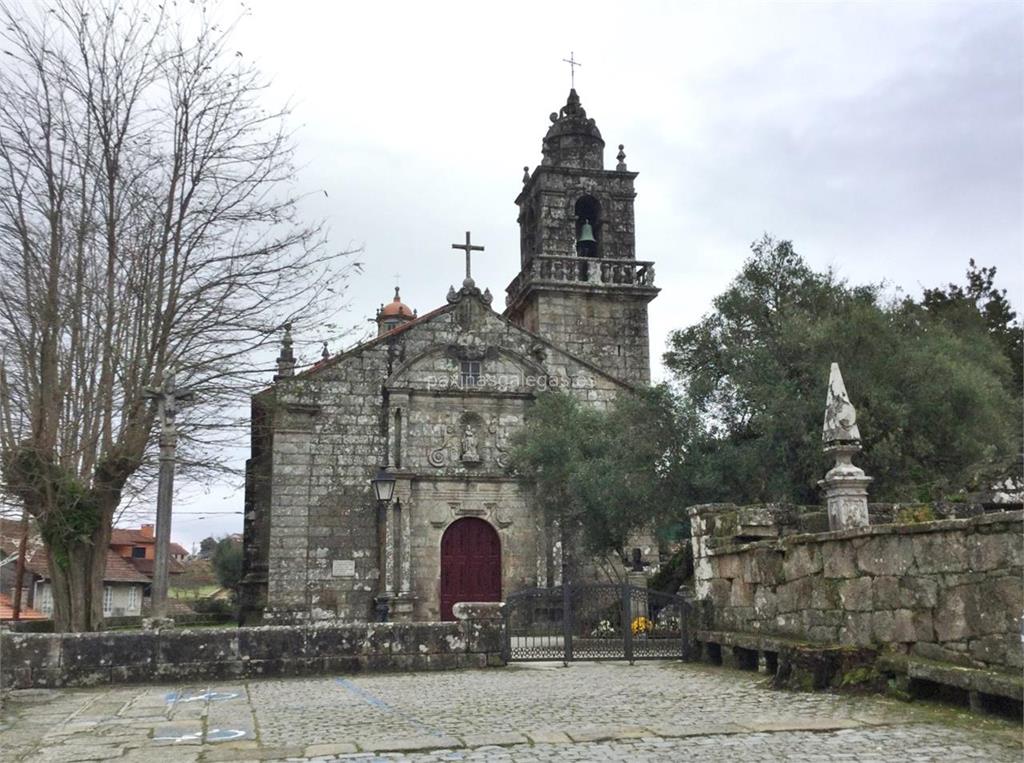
(335, 359)
(564, 351)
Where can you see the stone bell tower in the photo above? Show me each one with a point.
(581, 285)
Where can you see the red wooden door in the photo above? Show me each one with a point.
(470, 564)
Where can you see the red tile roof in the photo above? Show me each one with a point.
(120, 536)
(27, 613)
(10, 536)
(130, 536)
(118, 569)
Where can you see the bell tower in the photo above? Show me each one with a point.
(581, 285)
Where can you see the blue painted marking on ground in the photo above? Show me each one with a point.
(377, 702)
(207, 696)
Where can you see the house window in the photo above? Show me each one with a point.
(46, 599)
(138, 552)
(108, 599)
(469, 373)
(133, 598)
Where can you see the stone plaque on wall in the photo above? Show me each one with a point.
(343, 568)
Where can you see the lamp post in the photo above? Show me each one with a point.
(383, 484)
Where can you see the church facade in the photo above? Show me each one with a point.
(436, 398)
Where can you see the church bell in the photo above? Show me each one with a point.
(586, 244)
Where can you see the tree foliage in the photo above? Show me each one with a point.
(147, 223)
(934, 395)
(227, 562)
(207, 547)
(980, 302)
(602, 474)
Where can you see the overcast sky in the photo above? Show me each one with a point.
(883, 139)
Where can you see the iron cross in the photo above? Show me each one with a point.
(573, 63)
(468, 247)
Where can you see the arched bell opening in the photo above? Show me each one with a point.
(588, 226)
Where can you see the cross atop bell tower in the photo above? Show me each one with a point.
(573, 63)
(581, 284)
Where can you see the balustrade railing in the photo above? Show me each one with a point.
(583, 270)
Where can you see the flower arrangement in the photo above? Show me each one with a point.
(604, 629)
(668, 622)
(642, 626)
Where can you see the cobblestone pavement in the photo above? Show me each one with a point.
(586, 712)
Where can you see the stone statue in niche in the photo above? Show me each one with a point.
(470, 455)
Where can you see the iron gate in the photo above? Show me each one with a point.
(595, 621)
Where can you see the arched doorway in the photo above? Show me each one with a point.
(470, 564)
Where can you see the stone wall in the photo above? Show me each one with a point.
(610, 330)
(948, 590)
(42, 660)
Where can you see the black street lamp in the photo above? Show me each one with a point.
(383, 490)
(383, 486)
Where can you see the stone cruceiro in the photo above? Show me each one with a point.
(845, 484)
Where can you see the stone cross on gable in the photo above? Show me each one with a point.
(468, 247)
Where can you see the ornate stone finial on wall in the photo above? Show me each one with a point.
(845, 485)
(286, 360)
(621, 156)
(526, 175)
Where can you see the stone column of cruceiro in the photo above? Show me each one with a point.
(845, 485)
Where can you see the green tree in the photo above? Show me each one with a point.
(207, 547)
(979, 301)
(227, 563)
(600, 475)
(932, 396)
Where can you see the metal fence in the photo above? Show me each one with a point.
(595, 621)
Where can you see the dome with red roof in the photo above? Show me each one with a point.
(394, 314)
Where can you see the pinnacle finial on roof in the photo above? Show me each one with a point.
(286, 360)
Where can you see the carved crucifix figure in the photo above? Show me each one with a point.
(468, 247)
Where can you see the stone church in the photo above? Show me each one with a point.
(435, 398)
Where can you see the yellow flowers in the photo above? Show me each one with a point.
(641, 625)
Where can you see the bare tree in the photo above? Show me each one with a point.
(147, 222)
